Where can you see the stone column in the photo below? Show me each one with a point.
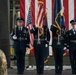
(4, 28)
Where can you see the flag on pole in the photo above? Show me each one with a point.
(40, 13)
(58, 21)
(29, 26)
(69, 12)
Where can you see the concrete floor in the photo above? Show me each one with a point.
(33, 72)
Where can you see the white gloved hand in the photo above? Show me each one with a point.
(46, 45)
(65, 48)
(14, 37)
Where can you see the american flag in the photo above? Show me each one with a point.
(69, 12)
(29, 18)
(40, 13)
(29, 26)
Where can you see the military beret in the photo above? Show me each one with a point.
(73, 22)
(19, 19)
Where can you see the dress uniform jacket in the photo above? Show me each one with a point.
(39, 48)
(55, 37)
(58, 48)
(71, 45)
(22, 38)
(20, 45)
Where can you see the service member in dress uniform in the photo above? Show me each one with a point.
(20, 36)
(58, 46)
(71, 45)
(40, 39)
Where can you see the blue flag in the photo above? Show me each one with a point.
(58, 21)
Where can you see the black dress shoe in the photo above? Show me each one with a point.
(39, 73)
(73, 73)
(58, 73)
(21, 73)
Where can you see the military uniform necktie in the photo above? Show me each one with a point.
(74, 32)
(20, 28)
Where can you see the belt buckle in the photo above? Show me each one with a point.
(38, 42)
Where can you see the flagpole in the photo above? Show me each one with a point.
(15, 29)
(38, 37)
(59, 35)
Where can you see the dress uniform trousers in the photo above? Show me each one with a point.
(58, 55)
(72, 55)
(39, 55)
(39, 48)
(20, 45)
(20, 56)
(71, 44)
